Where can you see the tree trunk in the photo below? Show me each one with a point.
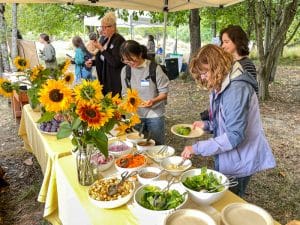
(194, 25)
(214, 27)
(14, 47)
(3, 42)
(270, 46)
(1, 63)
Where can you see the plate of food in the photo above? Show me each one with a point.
(186, 131)
(49, 128)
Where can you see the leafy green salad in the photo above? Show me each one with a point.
(204, 181)
(155, 199)
(182, 130)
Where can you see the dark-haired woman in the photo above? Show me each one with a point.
(153, 91)
(235, 41)
(83, 64)
(48, 52)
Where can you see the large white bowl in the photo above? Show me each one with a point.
(113, 203)
(204, 198)
(144, 148)
(134, 137)
(161, 184)
(175, 160)
(189, 216)
(129, 170)
(153, 152)
(120, 143)
(144, 180)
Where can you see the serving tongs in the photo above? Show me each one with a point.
(160, 202)
(231, 182)
(113, 189)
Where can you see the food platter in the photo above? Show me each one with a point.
(45, 132)
(194, 133)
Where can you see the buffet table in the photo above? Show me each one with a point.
(47, 149)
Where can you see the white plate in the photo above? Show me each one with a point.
(45, 132)
(246, 214)
(197, 132)
(190, 217)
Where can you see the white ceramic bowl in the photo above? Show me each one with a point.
(134, 137)
(146, 170)
(204, 198)
(129, 170)
(169, 165)
(99, 166)
(254, 215)
(113, 203)
(161, 184)
(189, 216)
(153, 152)
(140, 145)
(126, 145)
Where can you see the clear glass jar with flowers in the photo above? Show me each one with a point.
(89, 117)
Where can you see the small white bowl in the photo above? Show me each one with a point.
(141, 147)
(147, 180)
(161, 184)
(153, 152)
(100, 167)
(134, 137)
(129, 170)
(167, 164)
(120, 144)
(204, 198)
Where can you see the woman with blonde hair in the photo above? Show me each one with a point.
(239, 143)
(108, 60)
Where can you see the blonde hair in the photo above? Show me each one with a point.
(109, 18)
(218, 61)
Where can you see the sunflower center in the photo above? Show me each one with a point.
(132, 101)
(88, 92)
(68, 78)
(90, 113)
(55, 95)
(22, 62)
(7, 86)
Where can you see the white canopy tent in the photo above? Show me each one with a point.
(146, 5)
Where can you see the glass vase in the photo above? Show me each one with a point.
(84, 167)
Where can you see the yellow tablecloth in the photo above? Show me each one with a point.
(71, 194)
(47, 149)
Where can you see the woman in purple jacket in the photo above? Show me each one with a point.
(239, 143)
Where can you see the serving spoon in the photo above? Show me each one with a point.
(113, 189)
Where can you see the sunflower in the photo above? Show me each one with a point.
(68, 78)
(134, 120)
(116, 99)
(21, 63)
(35, 72)
(132, 101)
(122, 128)
(65, 66)
(55, 96)
(88, 91)
(92, 114)
(6, 87)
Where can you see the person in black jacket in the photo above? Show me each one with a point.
(108, 60)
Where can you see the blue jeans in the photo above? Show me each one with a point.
(242, 181)
(157, 128)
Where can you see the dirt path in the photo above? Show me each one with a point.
(276, 190)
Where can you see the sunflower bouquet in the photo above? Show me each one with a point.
(88, 114)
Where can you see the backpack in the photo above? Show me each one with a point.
(152, 73)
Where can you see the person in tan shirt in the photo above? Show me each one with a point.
(90, 44)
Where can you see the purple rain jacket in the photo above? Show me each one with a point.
(239, 140)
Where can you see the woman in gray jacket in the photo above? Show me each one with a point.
(48, 52)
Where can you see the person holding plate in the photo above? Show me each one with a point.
(239, 144)
(152, 85)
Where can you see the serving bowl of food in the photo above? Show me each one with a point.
(175, 165)
(119, 148)
(145, 144)
(98, 193)
(130, 162)
(152, 199)
(135, 137)
(160, 152)
(100, 162)
(149, 174)
(204, 186)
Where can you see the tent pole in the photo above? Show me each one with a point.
(165, 34)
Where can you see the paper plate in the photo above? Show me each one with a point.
(190, 217)
(245, 213)
(197, 132)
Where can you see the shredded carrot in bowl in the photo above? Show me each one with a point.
(133, 161)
